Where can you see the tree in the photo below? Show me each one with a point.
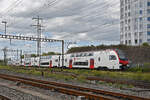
(145, 44)
(50, 53)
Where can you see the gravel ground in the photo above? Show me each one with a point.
(8, 89)
(60, 96)
(16, 95)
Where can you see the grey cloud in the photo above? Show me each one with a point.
(79, 19)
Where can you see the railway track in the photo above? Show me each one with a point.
(88, 93)
(135, 83)
(4, 98)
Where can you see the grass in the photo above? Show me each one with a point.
(133, 74)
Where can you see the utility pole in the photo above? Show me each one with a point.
(38, 25)
(4, 22)
(21, 56)
(62, 53)
(17, 55)
(5, 55)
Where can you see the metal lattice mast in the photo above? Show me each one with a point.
(38, 25)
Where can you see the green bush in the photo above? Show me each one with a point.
(145, 44)
(144, 68)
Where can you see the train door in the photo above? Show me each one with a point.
(91, 63)
(70, 63)
(59, 61)
(50, 64)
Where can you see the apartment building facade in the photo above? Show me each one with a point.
(134, 22)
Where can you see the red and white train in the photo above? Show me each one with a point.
(103, 59)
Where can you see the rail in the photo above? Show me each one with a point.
(4, 98)
(136, 84)
(71, 89)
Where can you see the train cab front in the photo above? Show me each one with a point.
(123, 61)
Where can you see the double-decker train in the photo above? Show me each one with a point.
(103, 59)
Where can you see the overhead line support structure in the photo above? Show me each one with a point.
(35, 39)
(5, 22)
(38, 25)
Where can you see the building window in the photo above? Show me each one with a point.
(129, 14)
(136, 41)
(140, 40)
(135, 34)
(129, 35)
(140, 34)
(126, 42)
(140, 5)
(148, 40)
(129, 28)
(148, 18)
(148, 3)
(148, 33)
(128, 6)
(136, 20)
(128, 20)
(141, 26)
(141, 12)
(140, 18)
(148, 11)
(148, 25)
(126, 1)
(129, 41)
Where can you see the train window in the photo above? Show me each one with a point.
(56, 60)
(72, 55)
(99, 59)
(45, 63)
(81, 54)
(112, 57)
(90, 54)
(81, 63)
(77, 55)
(85, 54)
(65, 60)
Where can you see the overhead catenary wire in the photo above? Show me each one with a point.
(11, 7)
(56, 0)
(101, 25)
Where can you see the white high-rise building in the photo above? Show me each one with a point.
(134, 22)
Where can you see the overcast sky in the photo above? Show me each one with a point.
(76, 20)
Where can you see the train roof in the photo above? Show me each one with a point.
(93, 51)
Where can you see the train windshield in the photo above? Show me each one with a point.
(121, 54)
